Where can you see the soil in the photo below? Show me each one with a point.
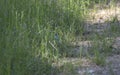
(100, 23)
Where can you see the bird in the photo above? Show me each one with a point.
(56, 36)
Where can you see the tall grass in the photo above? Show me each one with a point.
(28, 29)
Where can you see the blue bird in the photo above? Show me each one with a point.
(56, 37)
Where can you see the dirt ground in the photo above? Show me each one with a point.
(100, 23)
